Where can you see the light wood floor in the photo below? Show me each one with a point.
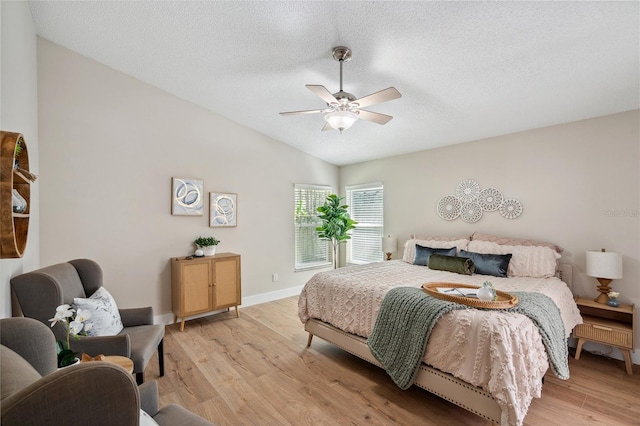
(256, 370)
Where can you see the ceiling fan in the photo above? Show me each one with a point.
(343, 109)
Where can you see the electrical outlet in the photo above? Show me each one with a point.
(274, 278)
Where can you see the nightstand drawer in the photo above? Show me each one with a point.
(605, 334)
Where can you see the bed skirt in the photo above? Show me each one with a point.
(444, 385)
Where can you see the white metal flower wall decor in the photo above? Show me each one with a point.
(470, 202)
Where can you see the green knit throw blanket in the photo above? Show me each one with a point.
(407, 316)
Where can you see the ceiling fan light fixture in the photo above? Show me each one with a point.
(343, 109)
(341, 120)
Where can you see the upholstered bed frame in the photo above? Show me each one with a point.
(457, 391)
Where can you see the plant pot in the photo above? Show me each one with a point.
(76, 361)
(613, 302)
(208, 250)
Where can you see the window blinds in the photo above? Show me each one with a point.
(366, 207)
(311, 251)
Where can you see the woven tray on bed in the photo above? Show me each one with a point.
(503, 300)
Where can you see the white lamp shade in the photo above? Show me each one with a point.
(604, 264)
(341, 120)
(389, 244)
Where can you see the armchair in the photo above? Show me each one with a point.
(40, 292)
(35, 392)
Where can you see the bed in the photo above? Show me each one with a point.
(488, 362)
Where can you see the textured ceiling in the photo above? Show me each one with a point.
(466, 70)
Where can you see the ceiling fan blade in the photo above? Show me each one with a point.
(388, 94)
(310, 111)
(323, 93)
(374, 117)
(326, 127)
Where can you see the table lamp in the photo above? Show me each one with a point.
(604, 266)
(389, 245)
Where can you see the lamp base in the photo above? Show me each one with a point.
(603, 288)
(388, 256)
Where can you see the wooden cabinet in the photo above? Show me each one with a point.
(14, 175)
(608, 325)
(204, 284)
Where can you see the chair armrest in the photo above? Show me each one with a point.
(149, 397)
(32, 340)
(103, 345)
(136, 316)
(93, 393)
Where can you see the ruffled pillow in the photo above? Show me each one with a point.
(508, 241)
(439, 237)
(526, 261)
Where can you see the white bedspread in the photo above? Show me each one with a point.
(497, 351)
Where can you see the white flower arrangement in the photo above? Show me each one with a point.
(76, 325)
(613, 294)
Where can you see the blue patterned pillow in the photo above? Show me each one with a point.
(105, 317)
(423, 254)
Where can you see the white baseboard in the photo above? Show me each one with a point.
(271, 296)
(164, 319)
(168, 318)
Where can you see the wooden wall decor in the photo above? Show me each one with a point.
(471, 201)
(14, 175)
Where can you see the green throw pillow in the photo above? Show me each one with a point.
(459, 265)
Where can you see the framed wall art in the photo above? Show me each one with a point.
(223, 209)
(187, 197)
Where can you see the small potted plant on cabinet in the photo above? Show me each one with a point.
(207, 245)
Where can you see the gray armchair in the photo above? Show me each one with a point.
(40, 292)
(35, 392)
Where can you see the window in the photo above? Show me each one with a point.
(311, 251)
(366, 207)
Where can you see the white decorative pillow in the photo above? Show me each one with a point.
(526, 261)
(508, 241)
(438, 237)
(146, 419)
(410, 246)
(105, 317)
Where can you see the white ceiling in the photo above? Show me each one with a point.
(466, 70)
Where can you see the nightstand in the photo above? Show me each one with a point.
(608, 325)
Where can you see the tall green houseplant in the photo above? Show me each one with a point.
(336, 223)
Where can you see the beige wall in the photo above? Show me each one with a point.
(579, 184)
(19, 113)
(109, 147)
